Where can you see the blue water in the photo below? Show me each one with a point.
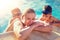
(37, 5)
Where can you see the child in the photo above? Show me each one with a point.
(47, 16)
(16, 13)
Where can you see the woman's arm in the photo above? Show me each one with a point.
(23, 33)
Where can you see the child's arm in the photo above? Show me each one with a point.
(55, 22)
(9, 26)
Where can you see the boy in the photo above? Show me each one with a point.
(47, 16)
(16, 13)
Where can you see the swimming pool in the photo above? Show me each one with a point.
(37, 5)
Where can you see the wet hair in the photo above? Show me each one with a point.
(15, 9)
(28, 11)
(47, 9)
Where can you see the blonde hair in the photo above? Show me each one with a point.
(29, 10)
(15, 9)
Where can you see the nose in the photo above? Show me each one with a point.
(30, 21)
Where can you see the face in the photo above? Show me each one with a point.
(28, 18)
(47, 17)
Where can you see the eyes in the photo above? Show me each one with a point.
(48, 16)
(30, 18)
(33, 19)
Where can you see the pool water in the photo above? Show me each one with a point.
(37, 5)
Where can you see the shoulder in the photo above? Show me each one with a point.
(54, 19)
(17, 22)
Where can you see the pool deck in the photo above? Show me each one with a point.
(54, 35)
